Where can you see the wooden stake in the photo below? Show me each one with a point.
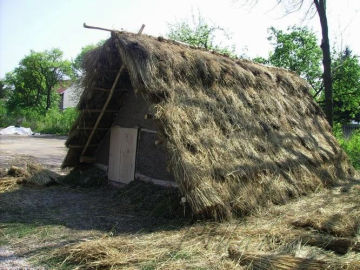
(97, 28)
(141, 29)
(110, 30)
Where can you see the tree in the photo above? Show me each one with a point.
(320, 7)
(32, 82)
(346, 86)
(3, 90)
(77, 63)
(296, 50)
(325, 47)
(201, 34)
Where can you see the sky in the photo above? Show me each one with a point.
(45, 24)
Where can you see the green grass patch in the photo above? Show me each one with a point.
(350, 145)
(53, 262)
(149, 266)
(179, 255)
(16, 231)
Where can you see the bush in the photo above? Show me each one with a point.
(57, 122)
(53, 122)
(4, 119)
(351, 145)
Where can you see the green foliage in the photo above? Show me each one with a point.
(261, 60)
(350, 145)
(4, 91)
(32, 82)
(77, 63)
(53, 122)
(201, 34)
(3, 113)
(346, 86)
(297, 49)
(56, 122)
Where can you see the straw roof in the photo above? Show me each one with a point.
(239, 135)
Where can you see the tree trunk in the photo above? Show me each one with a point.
(48, 99)
(325, 47)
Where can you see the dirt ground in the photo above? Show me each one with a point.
(48, 150)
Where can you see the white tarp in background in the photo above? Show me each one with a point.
(12, 130)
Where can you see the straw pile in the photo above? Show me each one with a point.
(40, 176)
(32, 173)
(240, 135)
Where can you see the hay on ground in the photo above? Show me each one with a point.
(15, 171)
(285, 262)
(33, 174)
(266, 238)
(7, 183)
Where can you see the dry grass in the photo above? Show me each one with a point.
(7, 183)
(264, 240)
(181, 249)
(286, 262)
(41, 222)
(334, 213)
(239, 135)
(30, 173)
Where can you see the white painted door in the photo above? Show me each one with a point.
(122, 154)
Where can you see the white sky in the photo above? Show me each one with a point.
(46, 24)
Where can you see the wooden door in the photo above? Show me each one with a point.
(122, 154)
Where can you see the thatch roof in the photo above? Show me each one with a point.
(239, 134)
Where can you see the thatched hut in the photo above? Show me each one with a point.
(233, 134)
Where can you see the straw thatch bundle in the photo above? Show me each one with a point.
(286, 262)
(239, 134)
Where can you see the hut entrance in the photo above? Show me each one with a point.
(122, 154)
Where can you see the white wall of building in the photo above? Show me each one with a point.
(71, 96)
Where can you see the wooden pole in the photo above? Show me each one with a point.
(97, 28)
(141, 29)
(110, 30)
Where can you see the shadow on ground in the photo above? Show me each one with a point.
(103, 208)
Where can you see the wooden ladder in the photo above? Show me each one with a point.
(88, 159)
